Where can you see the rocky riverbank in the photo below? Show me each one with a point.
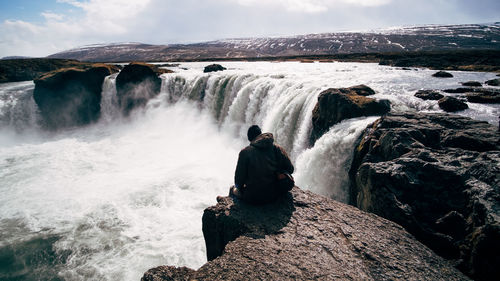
(305, 236)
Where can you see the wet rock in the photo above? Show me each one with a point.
(437, 175)
(442, 74)
(484, 97)
(362, 90)
(459, 90)
(451, 104)
(305, 236)
(428, 95)
(213, 68)
(493, 82)
(168, 273)
(71, 96)
(472, 84)
(136, 84)
(335, 105)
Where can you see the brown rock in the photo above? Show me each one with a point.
(136, 84)
(305, 236)
(428, 95)
(335, 105)
(71, 96)
(450, 104)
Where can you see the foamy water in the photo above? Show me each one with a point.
(111, 200)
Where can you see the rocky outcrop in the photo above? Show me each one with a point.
(335, 105)
(136, 84)
(472, 84)
(362, 90)
(442, 74)
(305, 236)
(428, 95)
(213, 68)
(451, 104)
(484, 97)
(437, 175)
(71, 96)
(493, 82)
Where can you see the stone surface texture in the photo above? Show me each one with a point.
(305, 236)
(437, 175)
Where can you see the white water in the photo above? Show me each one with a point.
(125, 195)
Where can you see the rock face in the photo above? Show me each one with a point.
(71, 96)
(213, 68)
(305, 236)
(437, 175)
(335, 105)
(428, 95)
(451, 104)
(136, 84)
(442, 74)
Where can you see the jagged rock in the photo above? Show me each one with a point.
(136, 84)
(362, 90)
(437, 175)
(168, 273)
(493, 82)
(442, 74)
(335, 105)
(451, 104)
(428, 95)
(71, 96)
(213, 68)
(472, 84)
(484, 97)
(305, 236)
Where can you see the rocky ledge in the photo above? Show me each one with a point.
(305, 236)
(437, 175)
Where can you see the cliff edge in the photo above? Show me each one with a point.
(305, 236)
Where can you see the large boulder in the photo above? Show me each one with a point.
(71, 96)
(213, 68)
(136, 84)
(472, 84)
(493, 82)
(428, 95)
(437, 175)
(335, 105)
(305, 236)
(442, 74)
(491, 96)
(451, 104)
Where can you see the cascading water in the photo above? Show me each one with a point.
(111, 200)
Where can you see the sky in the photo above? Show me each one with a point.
(40, 28)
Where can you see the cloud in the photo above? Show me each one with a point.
(312, 6)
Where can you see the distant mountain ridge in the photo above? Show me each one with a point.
(405, 39)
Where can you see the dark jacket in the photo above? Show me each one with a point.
(257, 168)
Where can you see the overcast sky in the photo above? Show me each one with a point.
(41, 28)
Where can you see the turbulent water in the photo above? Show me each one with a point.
(111, 200)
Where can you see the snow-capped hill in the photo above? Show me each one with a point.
(401, 39)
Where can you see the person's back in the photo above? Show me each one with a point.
(257, 168)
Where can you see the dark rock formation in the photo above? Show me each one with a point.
(335, 105)
(484, 97)
(437, 175)
(136, 84)
(442, 74)
(428, 95)
(305, 236)
(71, 96)
(362, 90)
(451, 104)
(493, 82)
(472, 84)
(14, 70)
(213, 68)
(459, 90)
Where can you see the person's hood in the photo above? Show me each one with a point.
(263, 141)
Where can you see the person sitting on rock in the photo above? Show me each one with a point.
(258, 164)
